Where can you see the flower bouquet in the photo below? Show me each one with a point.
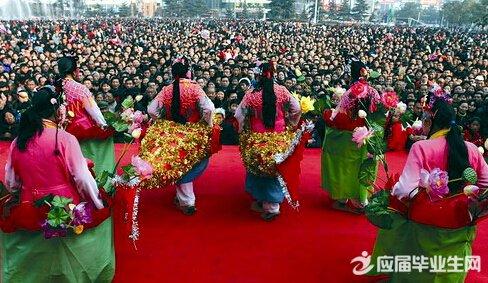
(132, 124)
(64, 216)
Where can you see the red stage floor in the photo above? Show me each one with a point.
(226, 242)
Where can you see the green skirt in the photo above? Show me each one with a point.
(413, 239)
(28, 257)
(101, 152)
(341, 160)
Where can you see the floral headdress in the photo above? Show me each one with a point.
(181, 59)
(359, 93)
(435, 93)
(258, 70)
(185, 61)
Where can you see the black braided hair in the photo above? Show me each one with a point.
(179, 71)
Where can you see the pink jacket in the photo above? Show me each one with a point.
(80, 100)
(431, 154)
(287, 109)
(195, 104)
(38, 172)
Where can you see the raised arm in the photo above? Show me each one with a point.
(206, 107)
(91, 107)
(154, 108)
(241, 113)
(78, 168)
(295, 111)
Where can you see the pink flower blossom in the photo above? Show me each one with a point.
(142, 167)
(390, 99)
(139, 117)
(133, 127)
(436, 183)
(361, 135)
(127, 115)
(359, 90)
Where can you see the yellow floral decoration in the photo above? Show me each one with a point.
(173, 149)
(258, 151)
(306, 104)
(78, 229)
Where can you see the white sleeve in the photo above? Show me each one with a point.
(241, 114)
(410, 178)
(295, 111)
(207, 107)
(91, 108)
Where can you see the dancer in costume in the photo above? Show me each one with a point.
(447, 228)
(266, 117)
(87, 123)
(43, 161)
(179, 143)
(341, 157)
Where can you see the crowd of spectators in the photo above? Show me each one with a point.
(132, 57)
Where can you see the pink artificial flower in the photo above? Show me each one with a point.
(424, 178)
(437, 90)
(142, 167)
(133, 126)
(437, 184)
(390, 99)
(361, 135)
(127, 115)
(359, 90)
(139, 117)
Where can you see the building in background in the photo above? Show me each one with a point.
(240, 4)
(148, 8)
(106, 5)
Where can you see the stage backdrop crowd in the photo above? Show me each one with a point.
(121, 58)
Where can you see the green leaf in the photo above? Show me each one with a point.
(102, 178)
(377, 211)
(129, 170)
(120, 126)
(60, 201)
(3, 190)
(374, 74)
(378, 117)
(42, 201)
(367, 172)
(378, 130)
(110, 117)
(57, 216)
(321, 104)
(128, 102)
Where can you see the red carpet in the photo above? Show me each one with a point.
(226, 242)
